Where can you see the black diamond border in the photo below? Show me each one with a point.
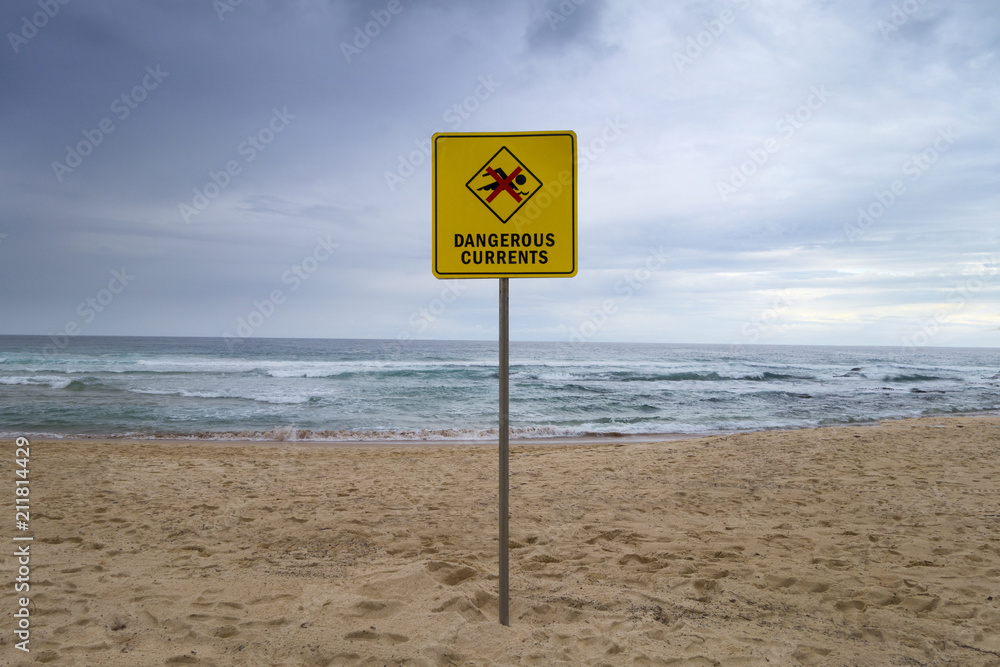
(483, 168)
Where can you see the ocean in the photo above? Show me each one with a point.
(350, 390)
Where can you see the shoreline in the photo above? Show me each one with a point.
(555, 441)
(574, 440)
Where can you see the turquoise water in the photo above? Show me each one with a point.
(416, 390)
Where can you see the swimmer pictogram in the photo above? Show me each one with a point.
(504, 184)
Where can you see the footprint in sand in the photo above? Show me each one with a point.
(371, 635)
(850, 606)
(225, 631)
(807, 586)
(703, 589)
(442, 656)
(920, 603)
(794, 584)
(810, 655)
(546, 614)
(449, 574)
(463, 607)
(641, 563)
(375, 609)
(176, 626)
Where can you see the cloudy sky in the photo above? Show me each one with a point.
(750, 171)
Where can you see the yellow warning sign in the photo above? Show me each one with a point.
(504, 205)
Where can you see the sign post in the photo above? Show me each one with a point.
(504, 435)
(504, 206)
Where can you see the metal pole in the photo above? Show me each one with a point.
(504, 454)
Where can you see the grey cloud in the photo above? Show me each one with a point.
(654, 185)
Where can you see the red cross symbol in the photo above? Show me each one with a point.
(503, 184)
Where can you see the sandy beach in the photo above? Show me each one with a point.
(834, 546)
